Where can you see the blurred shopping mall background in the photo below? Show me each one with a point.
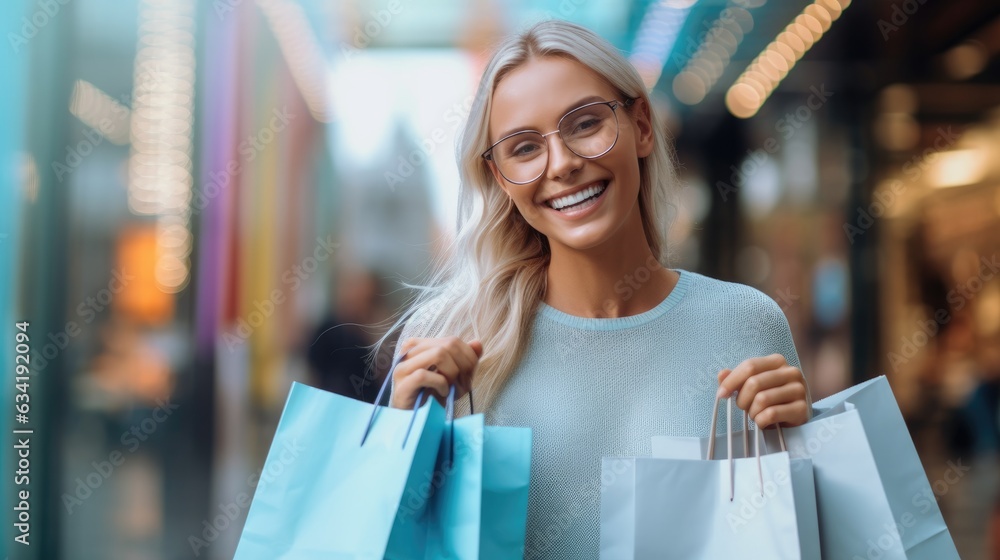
(200, 201)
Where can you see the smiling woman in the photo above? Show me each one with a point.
(566, 175)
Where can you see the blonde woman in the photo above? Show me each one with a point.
(554, 306)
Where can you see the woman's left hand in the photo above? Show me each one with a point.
(770, 390)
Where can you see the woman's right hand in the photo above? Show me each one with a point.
(434, 364)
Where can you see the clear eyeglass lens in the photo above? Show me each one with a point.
(589, 131)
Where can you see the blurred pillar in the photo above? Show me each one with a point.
(863, 253)
(723, 151)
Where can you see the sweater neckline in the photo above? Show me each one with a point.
(615, 323)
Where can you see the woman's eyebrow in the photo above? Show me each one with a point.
(568, 108)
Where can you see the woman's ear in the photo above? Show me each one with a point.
(496, 174)
(643, 128)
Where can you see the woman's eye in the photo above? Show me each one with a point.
(524, 149)
(586, 124)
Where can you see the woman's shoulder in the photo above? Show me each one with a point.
(730, 300)
(749, 321)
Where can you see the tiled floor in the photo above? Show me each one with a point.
(968, 505)
(967, 488)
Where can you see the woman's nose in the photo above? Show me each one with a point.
(562, 161)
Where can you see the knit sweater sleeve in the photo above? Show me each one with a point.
(779, 338)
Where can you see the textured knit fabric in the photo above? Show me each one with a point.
(590, 388)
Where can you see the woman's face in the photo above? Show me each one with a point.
(534, 96)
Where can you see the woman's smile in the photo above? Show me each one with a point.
(580, 204)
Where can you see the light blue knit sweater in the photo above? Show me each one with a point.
(590, 388)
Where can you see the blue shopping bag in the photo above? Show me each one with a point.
(455, 492)
(506, 474)
(478, 493)
(339, 495)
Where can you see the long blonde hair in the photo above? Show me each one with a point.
(489, 284)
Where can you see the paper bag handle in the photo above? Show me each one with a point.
(746, 435)
(710, 454)
(449, 408)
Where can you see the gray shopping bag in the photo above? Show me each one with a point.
(873, 497)
(706, 508)
(916, 525)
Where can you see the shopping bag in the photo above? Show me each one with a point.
(706, 508)
(334, 479)
(915, 525)
(479, 500)
(872, 494)
(506, 474)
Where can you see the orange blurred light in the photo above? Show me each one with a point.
(139, 296)
(742, 101)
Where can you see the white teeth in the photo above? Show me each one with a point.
(560, 203)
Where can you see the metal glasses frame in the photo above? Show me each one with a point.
(488, 154)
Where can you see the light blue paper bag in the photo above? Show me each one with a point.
(506, 476)
(480, 506)
(328, 495)
(760, 507)
(455, 512)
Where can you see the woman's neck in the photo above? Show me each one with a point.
(618, 279)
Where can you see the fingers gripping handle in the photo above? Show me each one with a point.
(449, 408)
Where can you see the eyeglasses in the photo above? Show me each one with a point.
(589, 131)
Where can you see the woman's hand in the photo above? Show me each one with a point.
(770, 390)
(435, 364)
